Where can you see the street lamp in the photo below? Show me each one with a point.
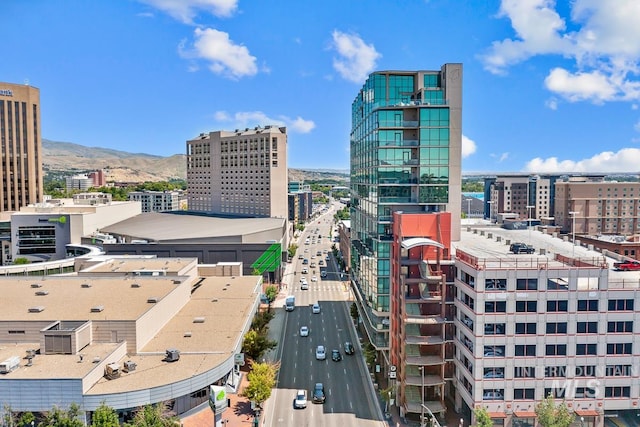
(422, 420)
(573, 231)
(529, 208)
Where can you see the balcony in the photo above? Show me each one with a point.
(398, 123)
(399, 143)
(424, 340)
(429, 380)
(424, 360)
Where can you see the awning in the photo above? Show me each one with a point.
(524, 414)
(497, 414)
(586, 412)
(420, 241)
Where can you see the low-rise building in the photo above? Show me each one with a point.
(157, 201)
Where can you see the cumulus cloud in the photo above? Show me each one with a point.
(356, 59)
(468, 146)
(185, 10)
(223, 56)
(625, 160)
(244, 119)
(602, 43)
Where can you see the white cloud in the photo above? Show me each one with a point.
(468, 146)
(602, 42)
(552, 103)
(245, 119)
(637, 126)
(356, 58)
(625, 160)
(500, 157)
(186, 10)
(224, 57)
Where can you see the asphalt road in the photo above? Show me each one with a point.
(350, 398)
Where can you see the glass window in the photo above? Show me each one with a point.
(557, 306)
(526, 306)
(586, 349)
(556, 350)
(525, 328)
(588, 305)
(587, 328)
(527, 284)
(557, 328)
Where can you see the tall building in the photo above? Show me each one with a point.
(21, 144)
(241, 173)
(405, 156)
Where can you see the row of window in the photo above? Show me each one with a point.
(530, 350)
(558, 306)
(554, 327)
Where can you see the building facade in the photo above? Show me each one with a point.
(241, 173)
(157, 201)
(405, 156)
(21, 145)
(521, 196)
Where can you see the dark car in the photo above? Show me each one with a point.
(348, 348)
(521, 248)
(336, 356)
(318, 393)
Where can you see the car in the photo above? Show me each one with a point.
(627, 265)
(336, 356)
(321, 263)
(318, 393)
(305, 261)
(300, 256)
(324, 251)
(521, 248)
(313, 265)
(301, 399)
(348, 348)
(319, 253)
(313, 257)
(304, 286)
(305, 270)
(306, 250)
(321, 353)
(315, 308)
(323, 274)
(314, 279)
(304, 331)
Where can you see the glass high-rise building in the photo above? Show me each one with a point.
(406, 141)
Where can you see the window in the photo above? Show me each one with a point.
(586, 349)
(526, 306)
(618, 371)
(525, 350)
(588, 305)
(586, 392)
(525, 328)
(556, 350)
(557, 306)
(494, 329)
(527, 284)
(555, 371)
(620, 305)
(586, 371)
(524, 371)
(620, 327)
(619, 348)
(617, 391)
(557, 328)
(524, 393)
(495, 307)
(16, 332)
(587, 328)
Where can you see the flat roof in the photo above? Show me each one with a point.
(167, 227)
(170, 266)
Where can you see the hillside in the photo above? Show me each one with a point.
(121, 166)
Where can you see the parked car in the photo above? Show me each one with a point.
(521, 248)
(321, 353)
(305, 270)
(627, 265)
(318, 393)
(336, 356)
(300, 401)
(348, 348)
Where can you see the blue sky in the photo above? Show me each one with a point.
(548, 86)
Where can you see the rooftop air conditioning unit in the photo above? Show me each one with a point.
(112, 371)
(153, 300)
(85, 285)
(36, 309)
(172, 355)
(36, 285)
(42, 293)
(130, 366)
(97, 308)
(198, 320)
(135, 285)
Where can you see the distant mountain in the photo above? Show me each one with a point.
(121, 166)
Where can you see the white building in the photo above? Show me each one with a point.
(157, 201)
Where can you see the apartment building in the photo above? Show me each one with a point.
(560, 322)
(157, 201)
(598, 206)
(21, 144)
(405, 156)
(239, 173)
(524, 196)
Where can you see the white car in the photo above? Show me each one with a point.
(301, 399)
(304, 331)
(321, 353)
(316, 308)
(314, 279)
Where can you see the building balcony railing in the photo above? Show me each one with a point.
(399, 143)
(424, 360)
(408, 103)
(398, 123)
(427, 319)
(415, 407)
(424, 340)
(429, 380)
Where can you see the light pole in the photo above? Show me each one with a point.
(529, 208)
(468, 207)
(573, 231)
(422, 423)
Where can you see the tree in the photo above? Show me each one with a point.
(482, 417)
(271, 292)
(354, 312)
(551, 415)
(262, 378)
(57, 417)
(256, 343)
(26, 418)
(157, 415)
(21, 261)
(370, 354)
(292, 250)
(104, 416)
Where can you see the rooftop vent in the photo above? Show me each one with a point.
(198, 320)
(42, 293)
(85, 285)
(135, 285)
(36, 309)
(97, 308)
(214, 300)
(36, 285)
(97, 359)
(153, 300)
(187, 334)
(130, 366)
(177, 281)
(172, 355)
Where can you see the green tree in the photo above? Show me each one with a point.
(256, 343)
(261, 321)
(256, 272)
(21, 261)
(271, 292)
(156, 415)
(262, 378)
(26, 418)
(7, 416)
(57, 417)
(551, 414)
(292, 250)
(104, 416)
(482, 417)
(370, 354)
(354, 312)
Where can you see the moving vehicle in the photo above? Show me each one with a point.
(316, 308)
(323, 274)
(290, 303)
(348, 348)
(314, 279)
(627, 265)
(300, 256)
(305, 270)
(521, 248)
(304, 286)
(304, 331)
(301, 399)
(318, 393)
(336, 356)
(321, 353)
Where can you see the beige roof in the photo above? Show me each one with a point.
(170, 266)
(166, 227)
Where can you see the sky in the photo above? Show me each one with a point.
(548, 86)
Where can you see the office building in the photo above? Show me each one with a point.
(240, 173)
(21, 145)
(405, 156)
(520, 197)
(157, 201)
